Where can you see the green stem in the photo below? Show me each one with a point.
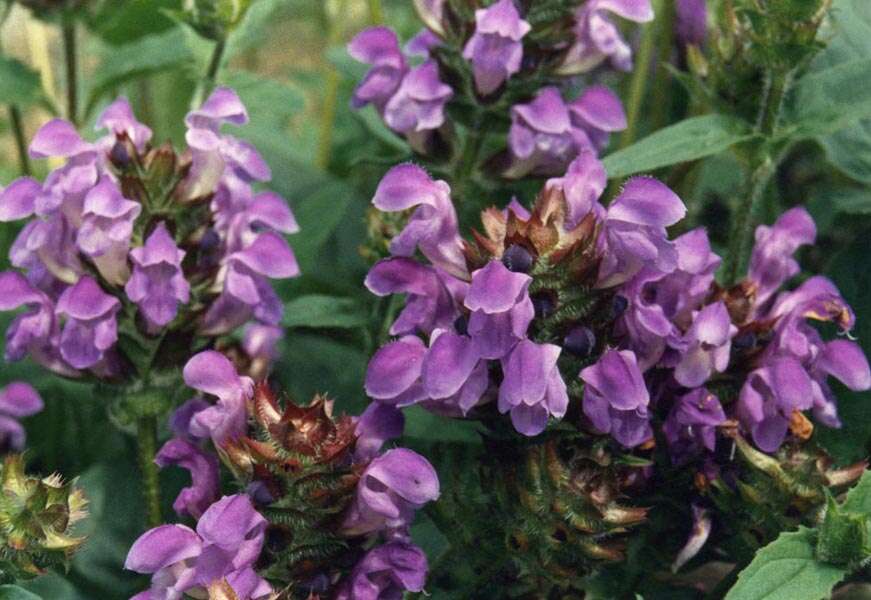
(68, 29)
(747, 213)
(215, 63)
(20, 142)
(376, 13)
(331, 90)
(146, 437)
(661, 88)
(638, 84)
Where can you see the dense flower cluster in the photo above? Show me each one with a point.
(358, 502)
(127, 239)
(577, 291)
(490, 52)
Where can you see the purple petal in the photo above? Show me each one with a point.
(19, 399)
(19, 199)
(846, 361)
(600, 107)
(394, 368)
(223, 105)
(495, 289)
(57, 138)
(269, 255)
(527, 374)
(448, 365)
(161, 547)
(194, 500)
(213, 373)
(86, 300)
(378, 423)
(405, 186)
(406, 473)
(529, 420)
(270, 209)
(547, 113)
(617, 378)
(646, 201)
(118, 118)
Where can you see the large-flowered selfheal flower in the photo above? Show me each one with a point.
(118, 119)
(533, 388)
(32, 330)
(692, 422)
(598, 38)
(770, 397)
(706, 346)
(633, 233)
(581, 186)
(107, 224)
(385, 572)
(213, 373)
(432, 226)
(378, 423)
(547, 134)
(204, 489)
(91, 328)
(379, 47)
(17, 400)
(418, 106)
(495, 49)
(227, 542)
(246, 290)
(393, 374)
(772, 262)
(595, 115)
(616, 399)
(501, 309)
(453, 375)
(429, 304)
(390, 490)
(158, 284)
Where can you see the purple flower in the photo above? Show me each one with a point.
(616, 399)
(541, 139)
(379, 47)
(213, 373)
(59, 138)
(418, 106)
(691, 423)
(118, 118)
(180, 419)
(769, 397)
(429, 304)
(385, 572)
(432, 226)
(18, 200)
(660, 303)
(225, 545)
(582, 186)
(772, 262)
(423, 43)
(204, 489)
(633, 233)
(91, 328)
(691, 21)
(706, 346)
(158, 284)
(390, 490)
(495, 49)
(246, 291)
(453, 376)
(378, 423)
(818, 299)
(595, 115)
(107, 224)
(260, 343)
(501, 309)
(598, 38)
(32, 330)
(393, 374)
(532, 389)
(17, 400)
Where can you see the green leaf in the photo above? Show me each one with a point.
(264, 98)
(13, 592)
(786, 569)
(859, 497)
(121, 22)
(828, 101)
(688, 140)
(851, 201)
(19, 84)
(320, 311)
(147, 55)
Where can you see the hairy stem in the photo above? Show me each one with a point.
(747, 213)
(146, 437)
(71, 60)
(20, 143)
